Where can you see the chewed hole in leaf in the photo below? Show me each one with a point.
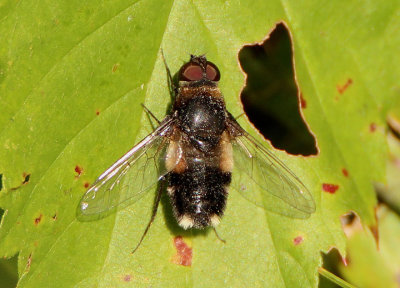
(351, 223)
(330, 261)
(25, 180)
(27, 177)
(394, 126)
(9, 271)
(271, 98)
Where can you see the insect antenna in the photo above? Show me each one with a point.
(153, 215)
(173, 90)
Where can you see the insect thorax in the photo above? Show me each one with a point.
(202, 116)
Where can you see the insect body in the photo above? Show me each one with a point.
(194, 149)
(198, 183)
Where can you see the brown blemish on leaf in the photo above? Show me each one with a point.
(374, 229)
(345, 172)
(344, 87)
(54, 217)
(183, 252)
(29, 262)
(86, 185)
(26, 177)
(38, 219)
(115, 67)
(372, 127)
(97, 112)
(78, 171)
(298, 240)
(330, 188)
(127, 278)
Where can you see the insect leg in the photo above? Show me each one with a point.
(150, 113)
(173, 90)
(153, 215)
(216, 234)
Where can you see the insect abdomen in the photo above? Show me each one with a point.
(199, 195)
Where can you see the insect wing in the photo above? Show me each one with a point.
(256, 165)
(127, 180)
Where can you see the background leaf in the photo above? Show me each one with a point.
(72, 77)
(382, 267)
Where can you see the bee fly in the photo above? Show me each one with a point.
(193, 151)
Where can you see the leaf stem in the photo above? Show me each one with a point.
(335, 279)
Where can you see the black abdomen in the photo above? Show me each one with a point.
(199, 195)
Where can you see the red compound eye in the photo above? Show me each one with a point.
(212, 72)
(191, 72)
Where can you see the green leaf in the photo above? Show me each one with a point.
(72, 77)
(389, 191)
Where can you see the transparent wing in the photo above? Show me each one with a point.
(259, 171)
(129, 178)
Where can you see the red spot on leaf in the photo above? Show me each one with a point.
(97, 112)
(86, 185)
(303, 102)
(345, 172)
(298, 240)
(78, 171)
(127, 278)
(372, 127)
(343, 88)
(183, 252)
(38, 219)
(330, 188)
